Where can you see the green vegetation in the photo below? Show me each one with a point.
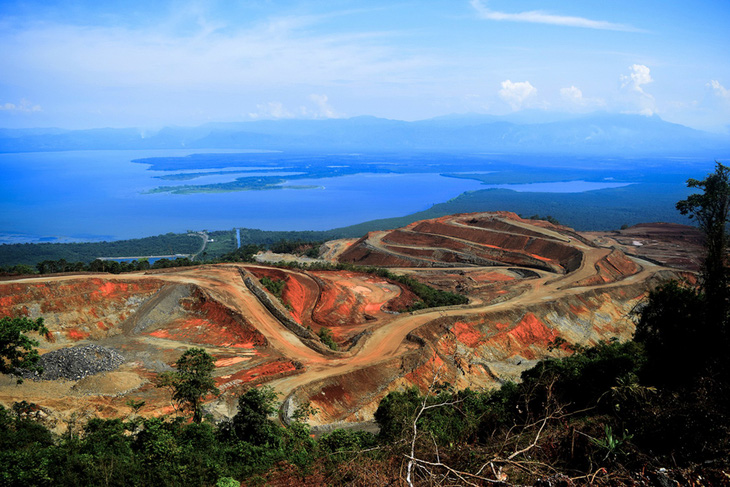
(219, 243)
(99, 265)
(588, 415)
(192, 381)
(240, 184)
(325, 334)
(547, 218)
(710, 209)
(30, 254)
(17, 349)
(275, 287)
(243, 254)
(297, 247)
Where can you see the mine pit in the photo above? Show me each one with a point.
(528, 282)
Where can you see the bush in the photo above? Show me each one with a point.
(325, 335)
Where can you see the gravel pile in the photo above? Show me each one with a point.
(76, 363)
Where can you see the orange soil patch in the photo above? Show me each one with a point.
(198, 330)
(299, 292)
(350, 299)
(295, 295)
(613, 267)
(521, 338)
(467, 334)
(95, 296)
(443, 240)
(491, 277)
(267, 370)
(214, 324)
(76, 335)
(225, 362)
(423, 376)
(531, 330)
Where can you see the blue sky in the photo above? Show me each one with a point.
(132, 63)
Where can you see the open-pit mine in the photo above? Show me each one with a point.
(528, 282)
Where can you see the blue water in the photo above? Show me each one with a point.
(557, 187)
(101, 195)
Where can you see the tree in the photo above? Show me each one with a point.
(252, 423)
(192, 381)
(17, 350)
(710, 210)
(681, 320)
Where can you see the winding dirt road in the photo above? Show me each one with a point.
(388, 335)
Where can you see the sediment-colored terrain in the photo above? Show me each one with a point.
(529, 282)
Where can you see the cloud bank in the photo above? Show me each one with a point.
(24, 106)
(634, 82)
(517, 93)
(719, 90)
(539, 17)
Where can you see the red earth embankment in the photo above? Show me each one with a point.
(345, 302)
(611, 268)
(475, 239)
(208, 322)
(77, 308)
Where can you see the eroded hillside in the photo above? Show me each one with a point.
(528, 283)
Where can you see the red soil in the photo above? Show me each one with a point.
(423, 375)
(73, 295)
(277, 368)
(212, 323)
(337, 305)
(300, 292)
(444, 240)
(467, 334)
(613, 267)
(531, 331)
(76, 335)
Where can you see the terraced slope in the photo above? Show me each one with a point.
(528, 283)
(487, 239)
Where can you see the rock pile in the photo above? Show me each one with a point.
(76, 363)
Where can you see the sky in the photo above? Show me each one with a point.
(134, 63)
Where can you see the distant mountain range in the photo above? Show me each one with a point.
(598, 133)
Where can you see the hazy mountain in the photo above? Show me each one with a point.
(616, 134)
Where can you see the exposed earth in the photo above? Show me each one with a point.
(528, 283)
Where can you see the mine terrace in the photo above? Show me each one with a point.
(528, 282)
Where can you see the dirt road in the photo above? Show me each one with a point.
(224, 283)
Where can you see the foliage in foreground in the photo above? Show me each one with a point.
(587, 415)
(191, 382)
(17, 349)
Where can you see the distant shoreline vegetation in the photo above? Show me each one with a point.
(304, 168)
(240, 184)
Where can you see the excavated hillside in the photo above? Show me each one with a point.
(528, 283)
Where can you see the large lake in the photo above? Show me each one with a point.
(103, 195)
(95, 195)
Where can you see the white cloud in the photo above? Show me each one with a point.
(276, 110)
(272, 109)
(516, 93)
(23, 106)
(634, 82)
(324, 110)
(646, 111)
(640, 75)
(271, 53)
(574, 96)
(539, 17)
(719, 90)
